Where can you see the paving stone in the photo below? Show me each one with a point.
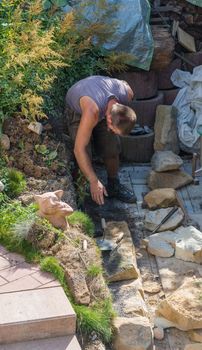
(14, 258)
(4, 263)
(24, 283)
(35, 314)
(183, 307)
(16, 272)
(2, 281)
(59, 343)
(132, 334)
(173, 179)
(153, 219)
(43, 277)
(165, 160)
(165, 127)
(54, 283)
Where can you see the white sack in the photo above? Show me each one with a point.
(189, 105)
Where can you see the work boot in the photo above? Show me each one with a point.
(119, 191)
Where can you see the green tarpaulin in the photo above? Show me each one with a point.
(196, 2)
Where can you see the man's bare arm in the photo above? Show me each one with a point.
(88, 121)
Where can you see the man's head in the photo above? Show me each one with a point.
(121, 119)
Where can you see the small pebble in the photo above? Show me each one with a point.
(158, 333)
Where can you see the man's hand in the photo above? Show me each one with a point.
(98, 191)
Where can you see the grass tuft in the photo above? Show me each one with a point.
(94, 270)
(82, 220)
(96, 318)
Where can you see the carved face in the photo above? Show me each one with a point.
(50, 204)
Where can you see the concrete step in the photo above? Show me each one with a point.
(59, 343)
(35, 314)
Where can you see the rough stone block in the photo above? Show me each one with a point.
(122, 263)
(183, 307)
(165, 127)
(161, 198)
(173, 179)
(165, 160)
(128, 298)
(132, 334)
(77, 284)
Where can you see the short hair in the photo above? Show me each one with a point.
(123, 117)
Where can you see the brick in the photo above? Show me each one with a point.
(16, 272)
(35, 314)
(24, 283)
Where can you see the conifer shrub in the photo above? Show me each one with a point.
(43, 52)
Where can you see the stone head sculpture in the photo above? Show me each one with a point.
(53, 209)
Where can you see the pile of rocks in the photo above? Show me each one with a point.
(132, 325)
(165, 162)
(182, 306)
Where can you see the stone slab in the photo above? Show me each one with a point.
(59, 343)
(122, 264)
(35, 314)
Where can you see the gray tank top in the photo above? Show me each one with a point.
(100, 89)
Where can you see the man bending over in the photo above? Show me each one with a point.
(95, 109)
